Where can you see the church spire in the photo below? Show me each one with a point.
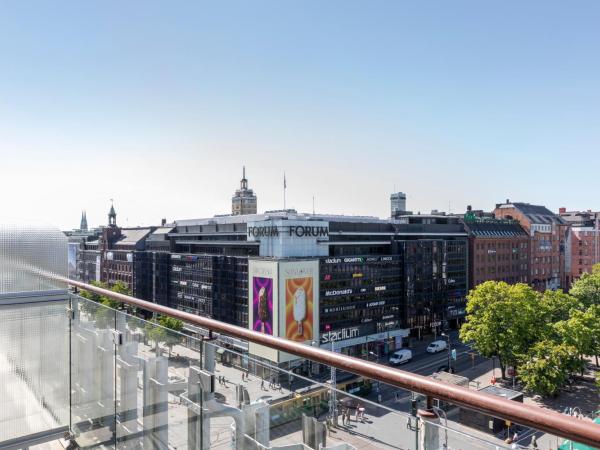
(83, 226)
(112, 215)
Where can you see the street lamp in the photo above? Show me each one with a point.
(376, 355)
(447, 336)
(333, 393)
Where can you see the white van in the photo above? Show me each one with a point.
(437, 346)
(401, 357)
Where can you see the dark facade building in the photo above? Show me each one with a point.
(379, 280)
(434, 254)
(364, 292)
(370, 283)
(498, 250)
(213, 286)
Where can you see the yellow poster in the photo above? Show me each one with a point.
(299, 309)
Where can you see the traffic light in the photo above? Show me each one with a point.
(413, 407)
(454, 354)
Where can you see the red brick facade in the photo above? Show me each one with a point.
(548, 243)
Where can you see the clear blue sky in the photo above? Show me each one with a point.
(158, 105)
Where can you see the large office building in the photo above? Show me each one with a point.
(362, 284)
(366, 284)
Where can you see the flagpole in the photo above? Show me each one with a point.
(284, 187)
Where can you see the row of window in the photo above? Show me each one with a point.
(504, 245)
(500, 269)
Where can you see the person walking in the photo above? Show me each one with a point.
(262, 384)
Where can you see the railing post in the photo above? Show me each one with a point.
(127, 368)
(428, 427)
(194, 423)
(156, 407)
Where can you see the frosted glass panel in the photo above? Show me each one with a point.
(34, 368)
(26, 252)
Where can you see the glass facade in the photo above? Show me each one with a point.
(211, 286)
(361, 291)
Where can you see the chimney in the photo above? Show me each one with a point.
(507, 201)
(562, 210)
(469, 208)
(163, 222)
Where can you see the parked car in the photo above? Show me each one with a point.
(437, 346)
(401, 357)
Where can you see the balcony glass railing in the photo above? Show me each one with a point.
(117, 381)
(106, 378)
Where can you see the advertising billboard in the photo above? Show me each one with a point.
(299, 300)
(262, 304)
(284, 302)
(299, 304)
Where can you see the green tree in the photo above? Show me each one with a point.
(587, 288)
(547, 366)
(578, 333)
(558, 305)
(502, 321)
(165, 330)
(103, 316)
(594, 317)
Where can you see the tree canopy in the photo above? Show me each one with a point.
(547, 335)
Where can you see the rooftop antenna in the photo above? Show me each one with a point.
(313, 205)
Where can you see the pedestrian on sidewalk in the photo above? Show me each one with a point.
(348, 416)
(262, 384)
(344, 417)
(534, 441)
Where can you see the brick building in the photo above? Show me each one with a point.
(549, 261)
(584, 240)
(498, 250)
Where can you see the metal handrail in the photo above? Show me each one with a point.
(532, 416)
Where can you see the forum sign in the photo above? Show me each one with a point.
(290, 238)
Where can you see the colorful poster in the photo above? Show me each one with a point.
(299, 309)
(262, 305)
